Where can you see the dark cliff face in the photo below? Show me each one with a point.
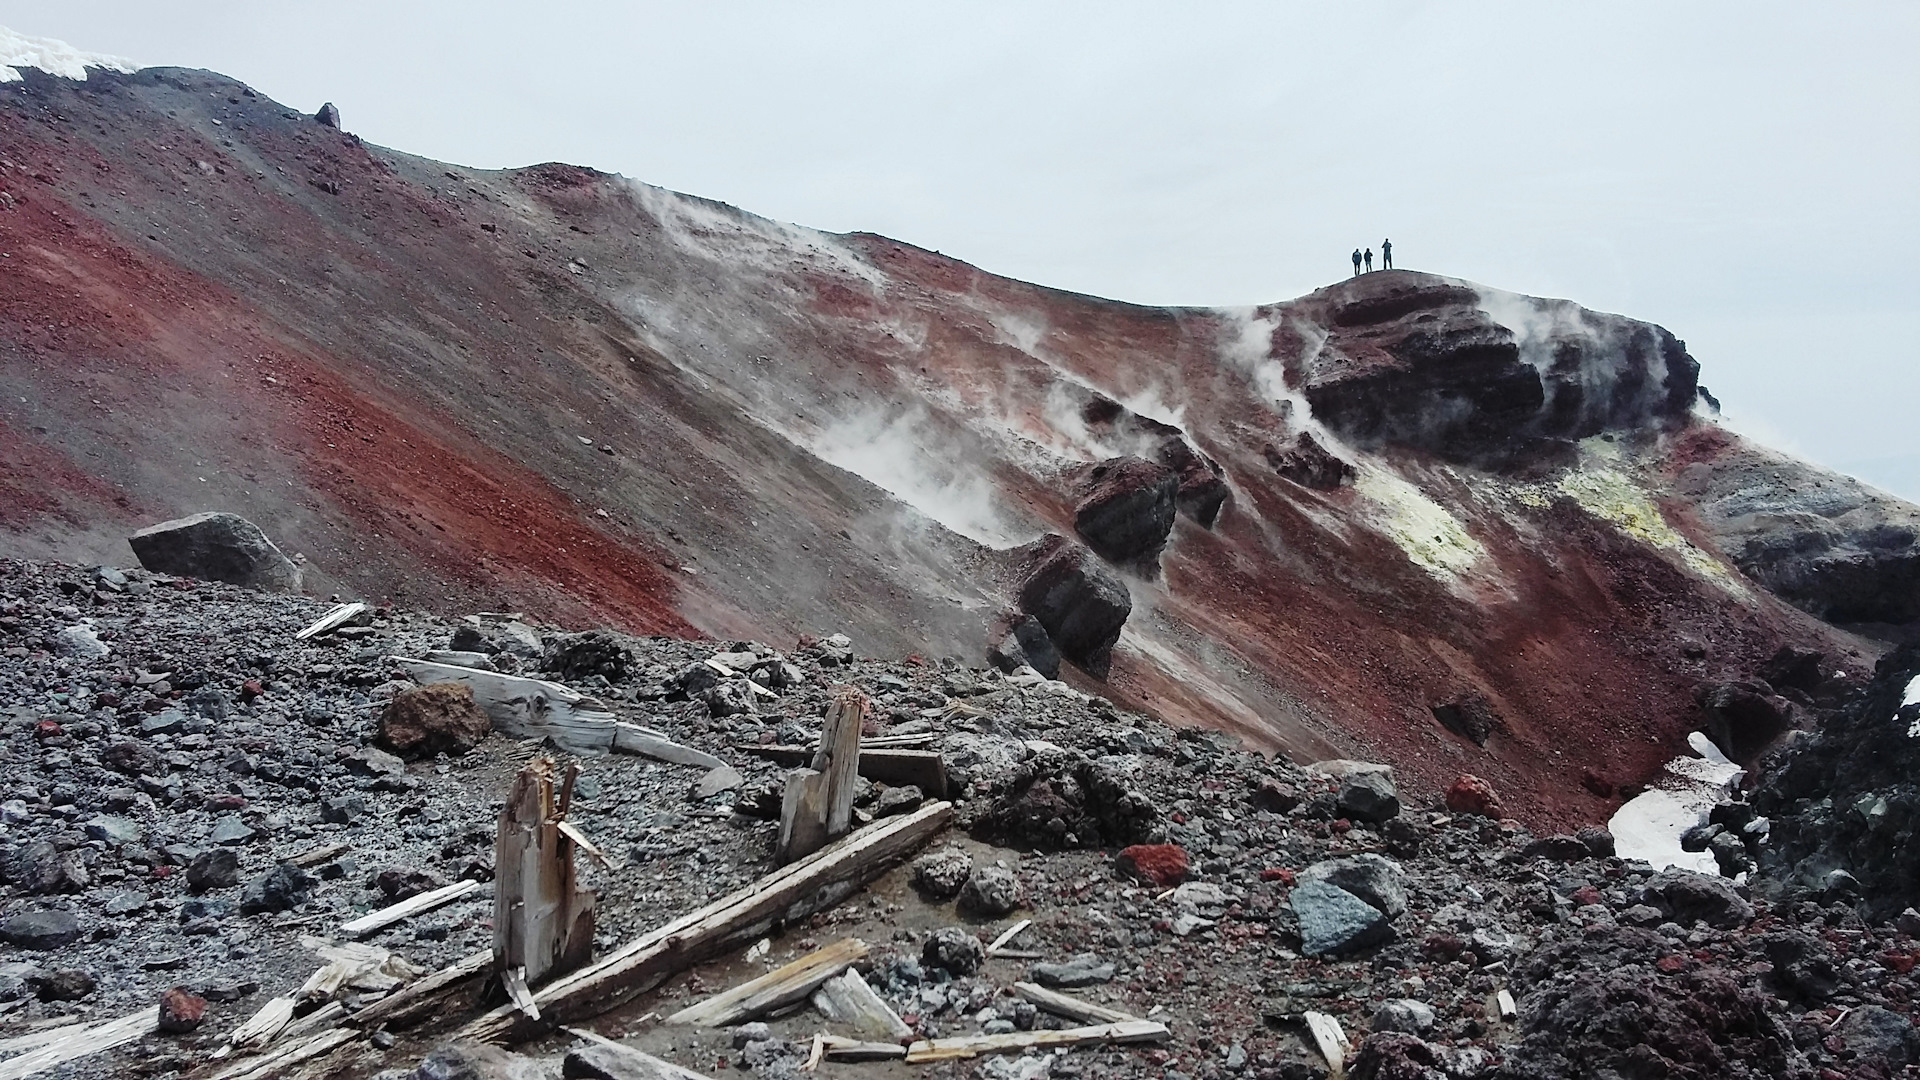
(555, 390)
(1405, 359)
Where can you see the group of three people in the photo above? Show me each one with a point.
(1386, 257)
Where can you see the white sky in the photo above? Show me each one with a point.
(1744, 173)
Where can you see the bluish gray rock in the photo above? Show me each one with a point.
(41, 929)
(1333, 920)
(216, 547)
(1375, 879)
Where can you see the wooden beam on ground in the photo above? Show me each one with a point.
(847, 1000)
(318, 855)
(970, 1046)
(416, 1000)
(528, 708)
(408, 908)
(1071, 1007)
(341, 615)
(645, 741)
(79, 1040)
(605, 1059)
(925, 769)
(786, 895)
(842, 1049)
(264, 1026)
(273, 1064)
(782, 986)
(817, 806)
(542, 915)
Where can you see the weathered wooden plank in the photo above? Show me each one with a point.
(840, 1049)
(634, 739)
(847, 1000)
(274, 1064)
(542, 915)
(78, 1041)
(608, 1060)
(781, 986)
(969, 1046)
(341, 615)
(528, 708)
(416, 1000)
(790, 893)
(839, 758)
(1330, 1040)
(803, 816)
(408, 908)
(924, 769)
(264, 1026)
(1071, 1007)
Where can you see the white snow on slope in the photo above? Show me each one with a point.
(1649, 826)
(53, 57)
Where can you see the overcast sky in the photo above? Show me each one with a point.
(1744, 173)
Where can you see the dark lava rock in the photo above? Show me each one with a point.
(40, 930)
(990, 891)
(214, 868)
(433, 719)
(940, 875)
(1847, 798)
(41, 868)
(1743, 719)
(328, 115)
(1082, 604)
(216, 547)
(397, 883)
(1804, 967)
(1026, 643)
(181, 1011)
(1561, 848)
(1469, 715)
(67, 984)
(1126, 508)
(1369, 797)
(1085, 969)
(1598, 839)
(1418, 361)
(1309, 464)
(575, 657)
(134, 758)
(1687, 897)
(280, 888)
(1051, 804)
(1881, 1041)
(954, 950)
(1396, 1055)
(1599, 1003)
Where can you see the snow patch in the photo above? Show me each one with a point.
(53, 57)
(1648, 827)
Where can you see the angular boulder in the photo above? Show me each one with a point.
(1126, 508)
(1082, 604)
(1687, 897)
(1026, 644)
(1309, 464)
(432, 719)
(1375, 879)
(216, 546)
(1334, 921)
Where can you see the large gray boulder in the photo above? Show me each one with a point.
(216, 546)
(1334, 921)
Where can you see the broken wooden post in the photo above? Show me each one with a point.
(542, 916)
(817, 805)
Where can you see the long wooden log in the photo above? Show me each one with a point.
(969, 1046)
(782, 986)
(78, 1041)
(788, 894)
(408, 908)
(1072, 1008)
(924, 769)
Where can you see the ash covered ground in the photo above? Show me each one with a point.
(169, 748)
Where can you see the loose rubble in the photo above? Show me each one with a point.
(192, 815)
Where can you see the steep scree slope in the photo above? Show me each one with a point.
(566, 392)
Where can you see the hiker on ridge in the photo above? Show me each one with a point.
(1386, 254)
(1356, 262)
(1369, 258)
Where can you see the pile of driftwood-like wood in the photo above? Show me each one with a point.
(540, 968)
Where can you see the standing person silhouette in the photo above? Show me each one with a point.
(1369, 258)
(1356, 262)
(1386, 254)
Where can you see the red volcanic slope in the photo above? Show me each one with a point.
(564, 392)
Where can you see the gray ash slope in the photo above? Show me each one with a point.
(117, 782)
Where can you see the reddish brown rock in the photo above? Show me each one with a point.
(1126, 509)
(181, 1011)
(1472, 795)
(1163, 865)
(428, 720)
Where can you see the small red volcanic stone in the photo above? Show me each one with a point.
(1164, 865)
(1671, 964)
(1472, 795)
(1900, 962)
(1585, 895)
(181, 1011)
(251, 689)
(1277, 873)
